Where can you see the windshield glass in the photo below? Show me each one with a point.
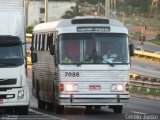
(11, 55)
(93, 48)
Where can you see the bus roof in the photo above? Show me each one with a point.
(78, 21)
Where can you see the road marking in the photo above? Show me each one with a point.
(150, 68)
(139, 112)
(46, 115)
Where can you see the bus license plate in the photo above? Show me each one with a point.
(94, 87)
(1, 101)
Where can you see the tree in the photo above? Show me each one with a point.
(75, 11)
(29, 29)
(134, 6)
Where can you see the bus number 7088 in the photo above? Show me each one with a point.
(71, 74)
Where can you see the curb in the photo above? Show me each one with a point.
(148, 97)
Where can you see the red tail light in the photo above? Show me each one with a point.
(61, 87)
(127, 86)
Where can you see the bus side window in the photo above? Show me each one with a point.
(39, 42)
(35, 43)
(49, 41)
(43, 42)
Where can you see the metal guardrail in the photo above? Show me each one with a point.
(145, 82)
(147, 55)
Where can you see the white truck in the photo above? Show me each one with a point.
(14, 88)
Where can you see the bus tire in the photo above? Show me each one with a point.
(50, 106)
(117, 108)
(59, 109)
(88, 108)
(97, 107)
(41, 104)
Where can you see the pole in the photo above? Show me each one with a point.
(107, 8)
(46, 10)
(26, 10)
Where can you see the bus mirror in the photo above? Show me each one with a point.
(34, 57)
(131, 49)
(52, 49)
(31, 48)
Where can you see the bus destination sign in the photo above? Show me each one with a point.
(92, 29)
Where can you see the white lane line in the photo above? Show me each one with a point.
(135, 112)
(150, 68)
(46, 115)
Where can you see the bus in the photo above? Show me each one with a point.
(71, 65)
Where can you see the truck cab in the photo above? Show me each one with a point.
(14, 89)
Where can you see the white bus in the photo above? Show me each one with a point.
(84, 61)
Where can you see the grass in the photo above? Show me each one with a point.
(157, 42)
(143, 91)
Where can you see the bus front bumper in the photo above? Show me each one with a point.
(119, 99)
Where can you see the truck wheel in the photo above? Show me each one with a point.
(22, 110)
(117, 108)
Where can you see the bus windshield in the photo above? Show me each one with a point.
(93, 48)
(11, 55)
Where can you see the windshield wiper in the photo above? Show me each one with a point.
(78, 64)
(109, 63)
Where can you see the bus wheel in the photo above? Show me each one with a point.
(117, 108)
(59, 109)
(50, 106)
(88, 108)
(41, 104)
(97, 107)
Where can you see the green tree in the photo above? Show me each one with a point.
(29, 29)
(75, 11)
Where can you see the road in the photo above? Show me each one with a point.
(147, 46)
(145, 68)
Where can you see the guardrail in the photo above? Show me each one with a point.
(147, 55)
(144, 85)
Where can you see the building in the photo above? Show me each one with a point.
(56, 9)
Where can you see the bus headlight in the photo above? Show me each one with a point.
(117, 88)
(71, 87)
(20, 94)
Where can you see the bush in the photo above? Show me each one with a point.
(29, 29)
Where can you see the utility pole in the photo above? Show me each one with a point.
(26, 10)
(46, 10)
(107, 8)
(113, 8)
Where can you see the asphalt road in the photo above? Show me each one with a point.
(145, 68)
(147, 46)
